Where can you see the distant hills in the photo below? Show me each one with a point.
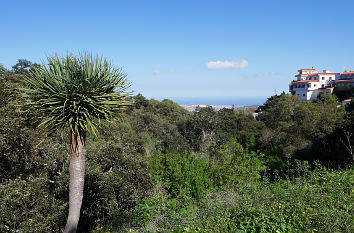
(192, 107)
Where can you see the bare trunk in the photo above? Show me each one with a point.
(348, 144)
(77, 175)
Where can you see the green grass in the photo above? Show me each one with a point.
(320, 202)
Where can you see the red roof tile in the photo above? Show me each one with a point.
(347, 72)
(345, 80)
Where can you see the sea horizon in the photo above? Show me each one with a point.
(219, 101)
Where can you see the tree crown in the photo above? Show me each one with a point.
(76, 91)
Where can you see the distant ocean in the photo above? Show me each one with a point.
(237, 101)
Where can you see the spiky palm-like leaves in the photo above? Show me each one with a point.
(76, 91)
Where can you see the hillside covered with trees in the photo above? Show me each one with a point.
(161, 168)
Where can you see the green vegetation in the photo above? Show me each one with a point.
(75, 93)
(160, 168)
(321, 201)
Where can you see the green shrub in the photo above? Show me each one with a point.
(160, 213)
(320, 202)
(30, 206)
(236, 166)
(182, 175)
(113, 182)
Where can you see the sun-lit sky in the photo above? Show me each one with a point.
(188, 48)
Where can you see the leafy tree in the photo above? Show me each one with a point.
(140, 101)
(169, 110)
(283, 134)
(22, 65)
(16, 130)
(326, 98)
(200, 129)
(3, 70)
(321, 117)
(337, 146)
(165, 134)
(239, 125)
(300, 129)
(348, 130)
(280, 109)
(75, 92)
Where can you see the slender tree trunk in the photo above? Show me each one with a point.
(77, 175)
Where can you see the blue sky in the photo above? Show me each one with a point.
(188, 49)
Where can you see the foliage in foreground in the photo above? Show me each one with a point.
(162, 168)
(321, 202)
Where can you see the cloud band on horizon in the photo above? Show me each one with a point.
(227, 64)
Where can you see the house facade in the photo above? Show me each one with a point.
(345, 80)
(310, 83)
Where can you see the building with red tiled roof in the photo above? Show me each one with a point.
(345, 80)
(310, 83)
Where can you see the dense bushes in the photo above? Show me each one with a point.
(30, 206)
(112, 184)
(321, 202)
(34, 178)
(236, 166)
(182, 176)
(304, 130)
(162, 168)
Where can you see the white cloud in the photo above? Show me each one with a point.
(156, 72)
(227, 64)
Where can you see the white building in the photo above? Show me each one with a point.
(345, 79)
(309, 83)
